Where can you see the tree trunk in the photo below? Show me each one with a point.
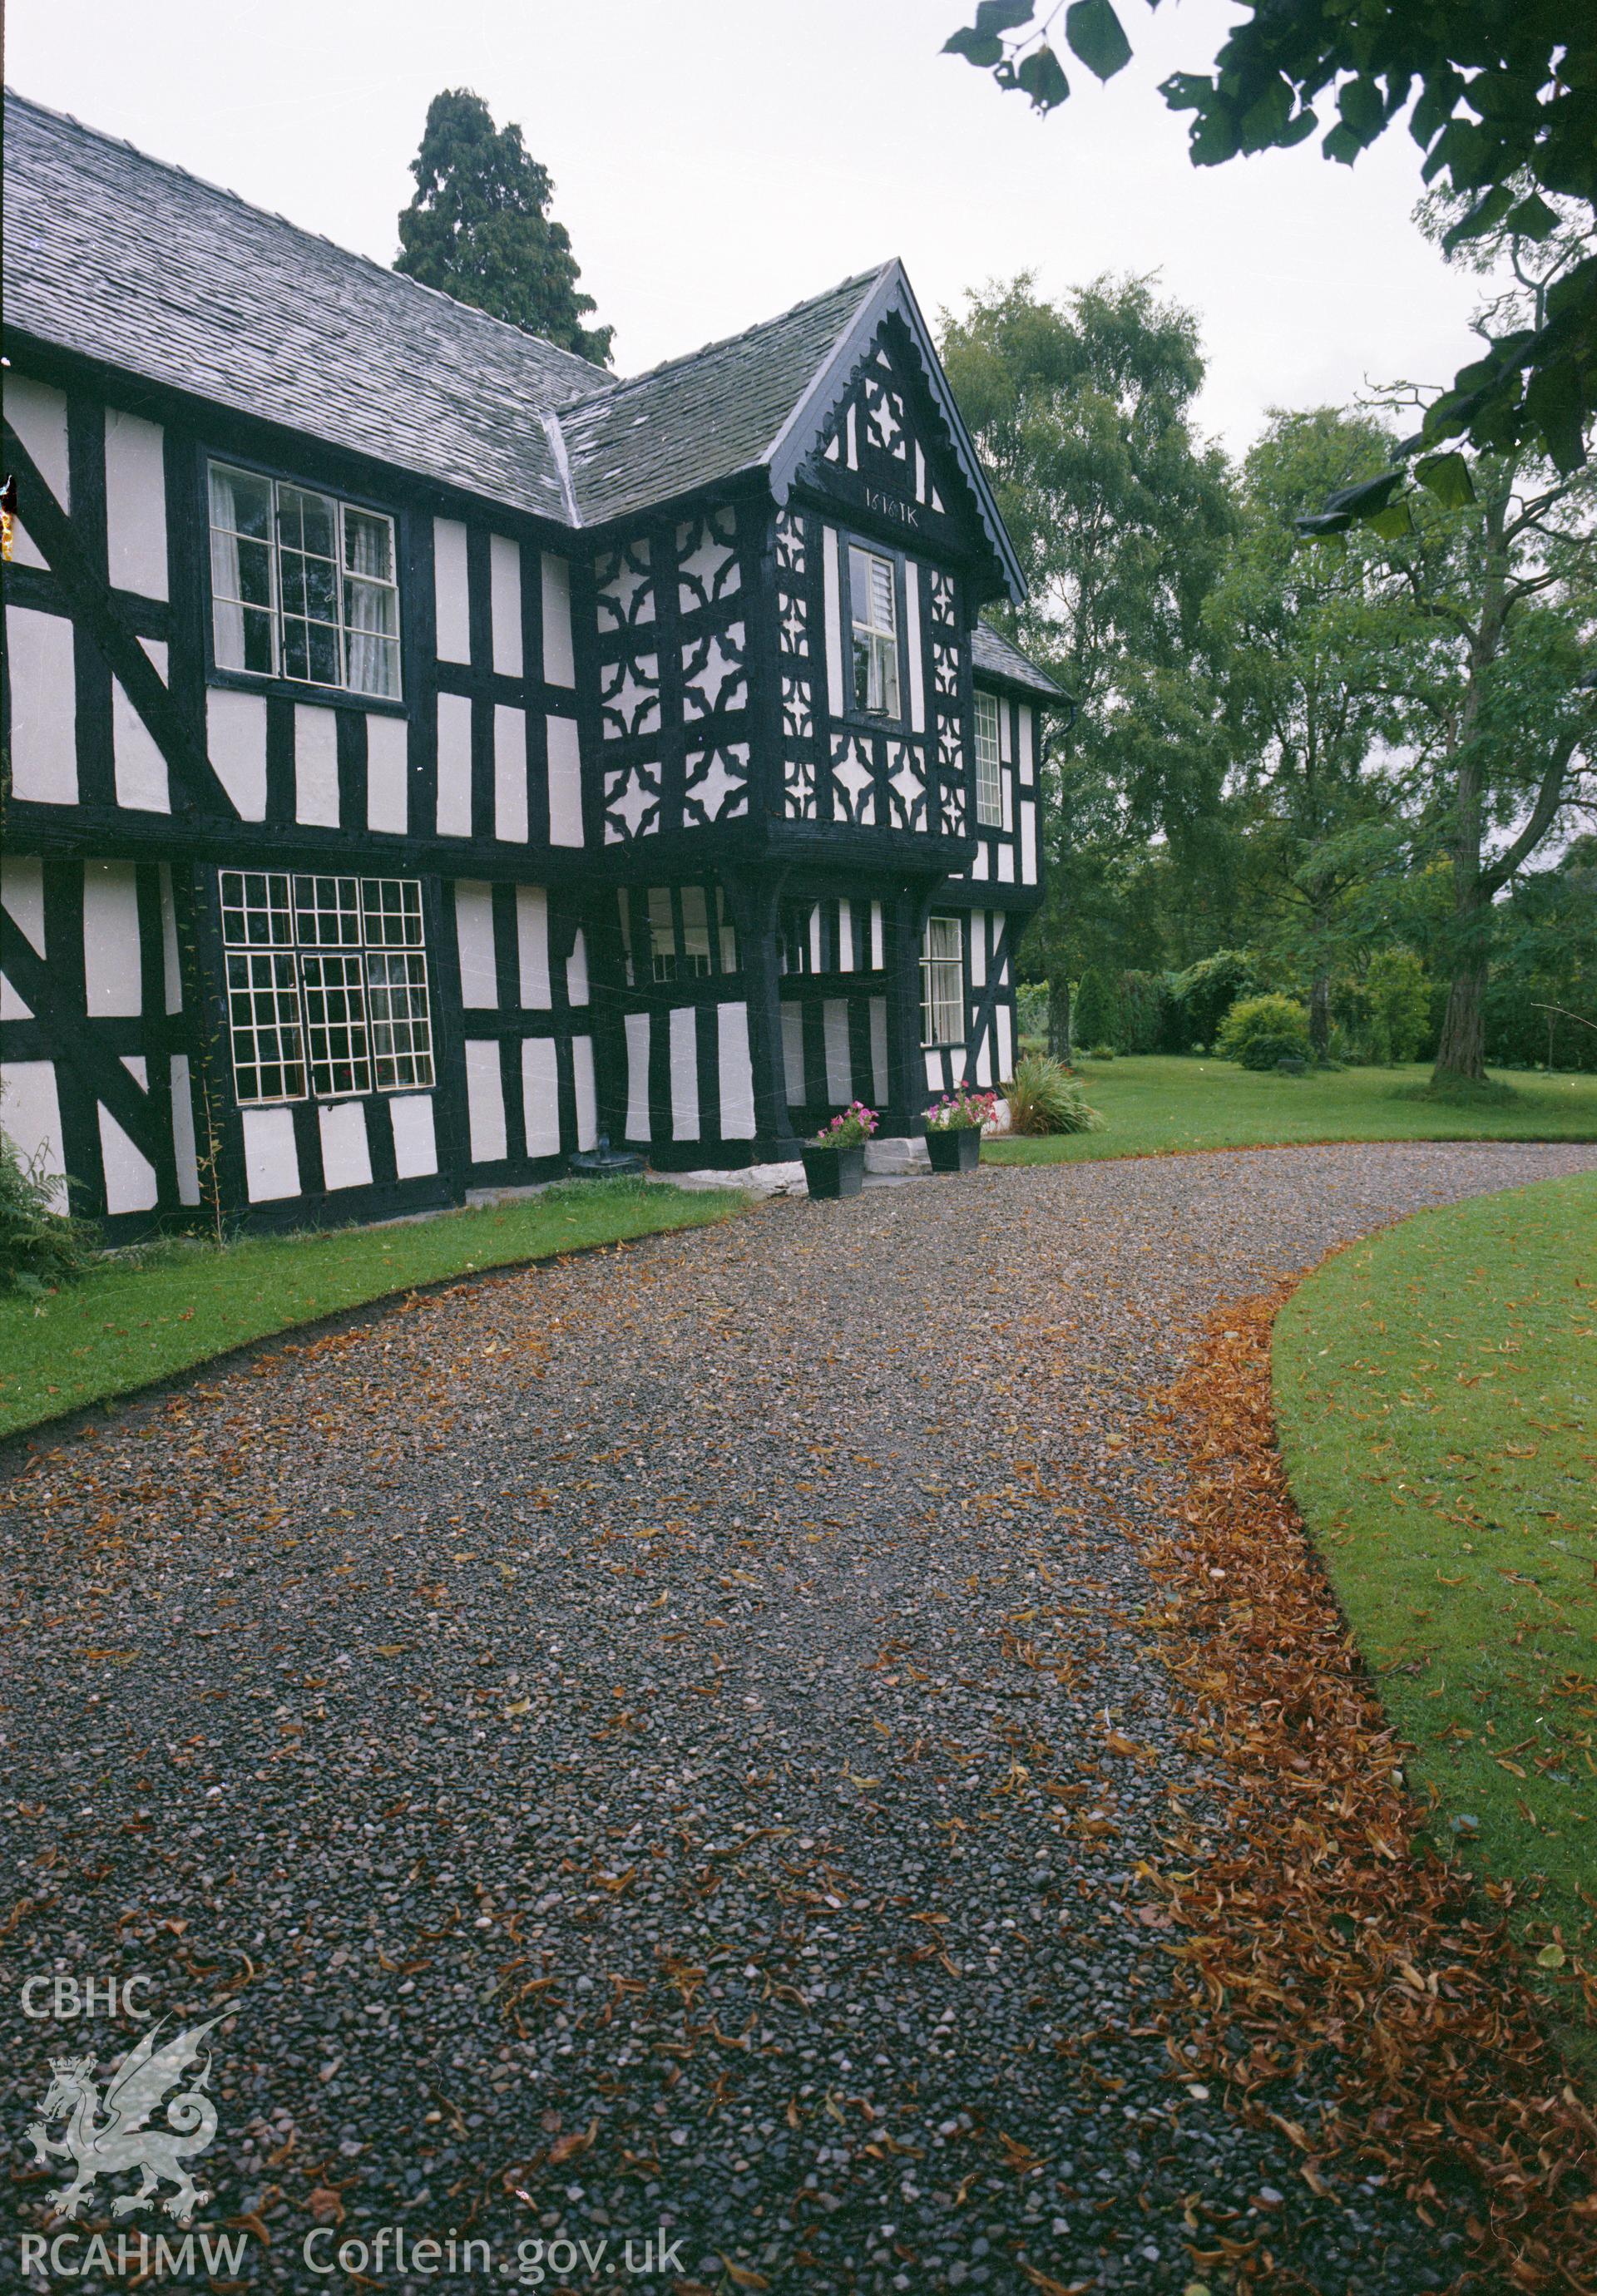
(1059, 1017)
(1320, 1015)
(1461, 1055)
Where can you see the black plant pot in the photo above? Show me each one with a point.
(834, 1171)
(957, 1149)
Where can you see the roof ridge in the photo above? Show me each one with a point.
(303, 231)
(725, 342)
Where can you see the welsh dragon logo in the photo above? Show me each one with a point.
(120, 2142)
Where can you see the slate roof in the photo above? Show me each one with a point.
(709, 415)
(139, 265)
(123, 259)
(992, 652)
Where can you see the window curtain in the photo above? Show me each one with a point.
(367, 607)
(228, 632)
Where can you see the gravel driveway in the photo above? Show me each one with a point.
(588, 1718)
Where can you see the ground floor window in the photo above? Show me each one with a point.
(326, 979)
(942, 983)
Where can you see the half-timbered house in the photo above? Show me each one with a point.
(427, 751)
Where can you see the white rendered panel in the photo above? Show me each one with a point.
(876, 936)
(1028, 841)
(565, 782)
(734, 1072)
(509, 774)
(415, 1145)
(170, 963)
(793, 1054)
(588, 1102)
(485, 1101)
(316, 765)
(22, 896)
(135, 505)
(387, 774)
(504, 596)
(532, 944)
(453, 766)
(31, 1118)
(271, 1160)
(879, 1049)
(1006, 743)
(851, 449)
(559, 666)
(934, 1072)
(576, 969)
(43, 707)
(845, 937)
(451, 590)
(1028, 767)
(981, 867)
(111, 969)
(474, 935)
(684, 1074)
(917, 691)
(983, 1066)
(235, 727)
(1004, 1023)
(130, 1184)
(833, 1019)
(638, 1076)
(836, 692)
(1006, 864)
(346, 1154)
(141, 770)
(37, 414)
(815, 949)
(1006, 783)
(978, 948)
(541, 1095)
(183, 1152)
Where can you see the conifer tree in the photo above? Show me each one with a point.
(479, 228)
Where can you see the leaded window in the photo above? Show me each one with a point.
(303, 586)
(873, 604)
(327, 980)
(942, 983)
(989, 779)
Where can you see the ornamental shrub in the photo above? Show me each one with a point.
(1208, 989)
(1142, 999)
(1044, 1097)
(1260, 1030)
(1398, 1000)
(40, 1246)
(1094, 1017)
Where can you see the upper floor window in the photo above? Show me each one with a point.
(302, 585)
(942, 983)
(988, 783)
(874, 605)
(327, 985)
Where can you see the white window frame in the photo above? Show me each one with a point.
(873, 611)
(989, 762)
(325, 978)
(384, 642)
(943, 1021)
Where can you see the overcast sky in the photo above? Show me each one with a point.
(716, 160)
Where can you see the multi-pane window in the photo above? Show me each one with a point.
(302, 586)
(942, 983)
(327, 985)
(681, 947)
(874, 605)
(989, 781)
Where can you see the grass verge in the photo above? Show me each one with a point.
(137, 1321)
(1157, 1105)
(1436, 1394)
(1346, 1984)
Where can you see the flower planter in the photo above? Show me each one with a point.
(834, 1171)
(957, 1148)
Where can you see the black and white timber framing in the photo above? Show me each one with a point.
(638, 861)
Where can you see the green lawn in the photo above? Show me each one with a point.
(1153, 1105)
(130, 1323)
(1437, 1390)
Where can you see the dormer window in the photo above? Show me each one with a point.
(875, 608)
(303, 586)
